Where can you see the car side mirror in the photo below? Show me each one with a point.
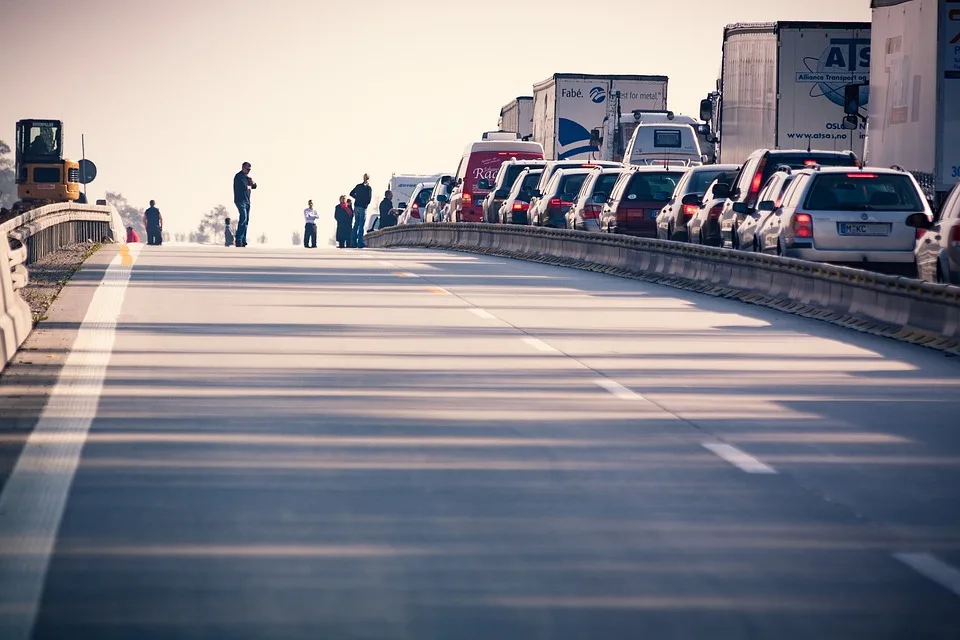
(598, 198)
(691, 198)
(501, 193)
(766, 205)
(443, 199)
(722, 191)
(484, 184)
(850, 123)
(741, 208)
(706, 109)
(919, 221)
(402, 205)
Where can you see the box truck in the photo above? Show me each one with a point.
(782, 86)
(914, 119)
(568, 106)
(517, 115)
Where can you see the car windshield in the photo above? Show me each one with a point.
(424, 196)
(509, 175)
(529, 181)
(571, 184)
(653, 186)
(862, 191)
(605, 183)
(700, 180)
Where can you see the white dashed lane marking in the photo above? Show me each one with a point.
(480, 313)
(740, 459)
(539, 345)
(617, 389)
(933, 568)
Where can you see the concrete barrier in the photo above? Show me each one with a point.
(28, 238)
(901, 308)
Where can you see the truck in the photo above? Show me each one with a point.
(568, 106)
(618, 130)
(783, 86)
(517, 115)
(402, 186)
(914, 111)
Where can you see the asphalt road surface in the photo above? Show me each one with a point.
(409, 444)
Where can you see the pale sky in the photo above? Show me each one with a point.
(174, 95)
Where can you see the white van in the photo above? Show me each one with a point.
(673, 143)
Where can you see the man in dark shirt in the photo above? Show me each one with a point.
(242, 184)
(387, 217)
(153, 221)
(362, 194)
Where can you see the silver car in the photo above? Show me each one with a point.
(938, 247)
(843, 215)
(769, 199)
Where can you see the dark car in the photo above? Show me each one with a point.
(637, 199)
(686, 200)
(514, 208)
(500, 189)
(550, 209)
(585, 212)
(755, 172)
(704, 227)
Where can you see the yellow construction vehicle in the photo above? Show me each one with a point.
(43, 175)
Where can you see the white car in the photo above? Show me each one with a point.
(415, 211)
(851, 216)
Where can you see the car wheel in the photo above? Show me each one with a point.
(940, 278)
(779, 249)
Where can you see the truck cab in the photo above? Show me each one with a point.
(42, 173)
(620, 130)
(670, 143)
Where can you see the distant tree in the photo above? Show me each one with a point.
(131, 216)
(166, 236)
(213, 221)
(332, 241)
(297, 238)
(8, 182)
(262, 239)
(192, 239)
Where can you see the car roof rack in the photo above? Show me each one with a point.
(783, 167)
(897, 167)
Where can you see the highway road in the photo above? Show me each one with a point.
(409, 444)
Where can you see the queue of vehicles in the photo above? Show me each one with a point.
(776, 166)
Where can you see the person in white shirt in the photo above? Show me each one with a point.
(310, 226)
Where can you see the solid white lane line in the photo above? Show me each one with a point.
(539, 345)
(384, 263)
(933, 568)
(480, 313)
(738, 458)
(617, 389)
(32, 502)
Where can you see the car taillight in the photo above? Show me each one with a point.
(715, 211)
(955, 237)
(592, 211)
(920, 233)
(520, 206)
(467, 199)
(802, 225)
(415, 211)
(555, 203)
(862, 175)
(756, 183)
(690, 210)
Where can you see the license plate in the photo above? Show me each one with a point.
(863, 228)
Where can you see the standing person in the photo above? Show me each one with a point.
(227, 233)
(153, 221)
(387, 217)
(310, 226)
(343, 217)
(242, 184)
(362, 194)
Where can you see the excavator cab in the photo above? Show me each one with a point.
(43, 175)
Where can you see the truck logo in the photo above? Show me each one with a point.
(845, 61)
(598, 95)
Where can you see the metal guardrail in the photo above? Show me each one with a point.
(28, 238)
(901, 308)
